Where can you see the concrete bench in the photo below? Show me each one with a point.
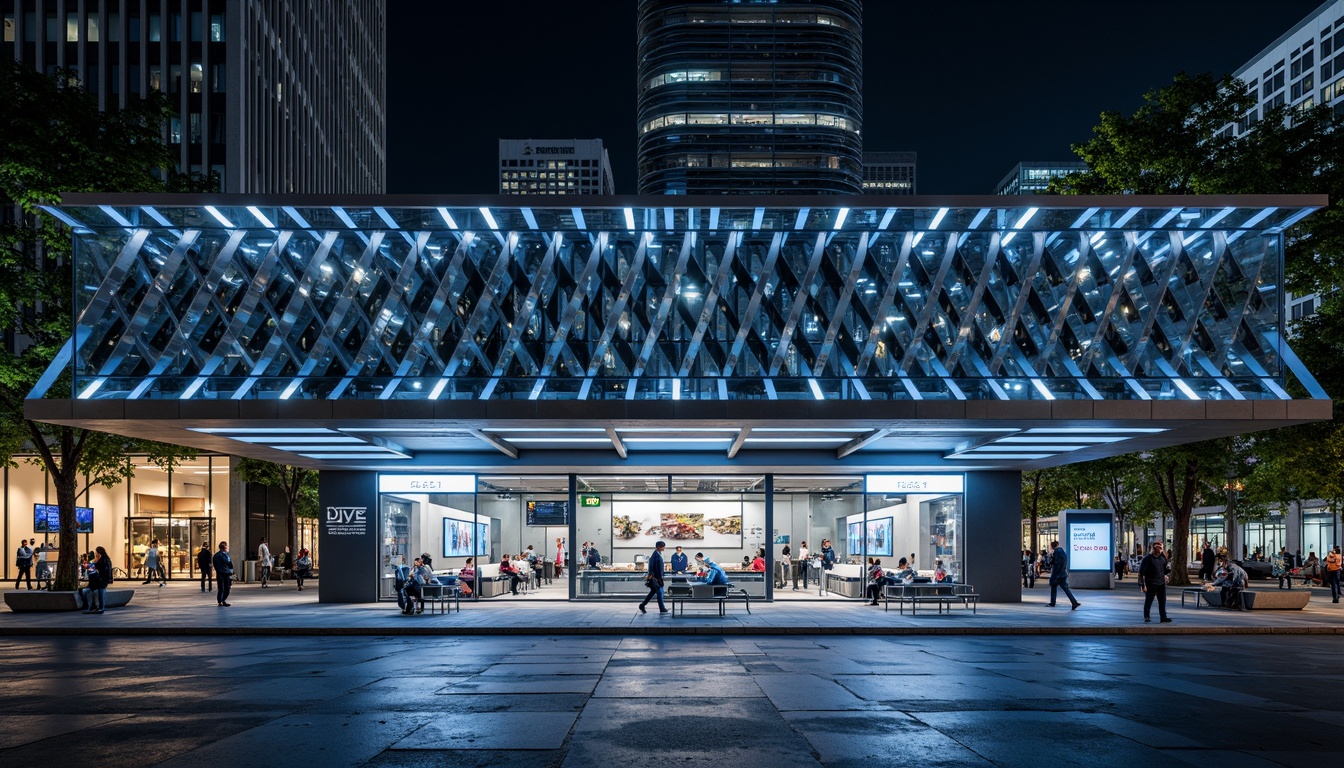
(29, 601)
(713, 594)
(1265, 600)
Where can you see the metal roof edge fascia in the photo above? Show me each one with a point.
(162, 199)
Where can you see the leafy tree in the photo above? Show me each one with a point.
(1184, 477)
(53, 139)
(1119, 484)
(1179, 142)
(299, 486)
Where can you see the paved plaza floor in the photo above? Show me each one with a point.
(727, 702)
(182, 609)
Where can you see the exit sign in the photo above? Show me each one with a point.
(588, 500)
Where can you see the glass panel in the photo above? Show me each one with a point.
(442, 526)
(92, 27)
(910, 537)
(217, 28)
(72, 27)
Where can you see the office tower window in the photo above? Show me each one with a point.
(114, 78)
(92, 27)
(134, 79)
(197, 26)
(155, 78)
(195, 127)
(175, 27)
(9, 27)
(155, 33)
(174, 78)
(197, 77)
(133, 29)
(217, 28)
(175, 130)
(217, 78)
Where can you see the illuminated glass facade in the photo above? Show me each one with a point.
(750, 98)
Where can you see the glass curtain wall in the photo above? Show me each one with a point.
(443, 525)
(1319, 533)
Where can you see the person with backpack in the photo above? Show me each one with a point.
(303, 566)
(23, 560)
(1333, 562)
(99, 580)
(1153, 569)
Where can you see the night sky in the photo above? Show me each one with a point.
(972, 86)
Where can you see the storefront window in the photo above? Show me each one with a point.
(442, 525)
(1319, 533)
(1263, 539)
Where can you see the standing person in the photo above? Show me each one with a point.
(654, 579)
(223, 573)
(1059, 576)
(23, 560)
(203, 565)
(782, 567)
(264, 562)
(803, 566)
(1206, 562)
(152, 563)
(1153, 581)
(98, 581)
(559, 558)
(1332, 566)
(827, 562)
(1028, 569)
(680, 562)
(43, 570)
(594, 557)
(303, 566)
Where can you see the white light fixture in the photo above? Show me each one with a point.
(630, 219)
(259, 216)
(386, 217)
(938, 218)
(447, 218)
(840, 219)
(210, 209)
(489, 218)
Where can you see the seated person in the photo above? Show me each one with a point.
(413, 591)
(466, 577)
(1232, 582)
(940, 574)
(904, 573)
(507, 568)
(876, 579)
(1311, 570)
(710, 571)
(758, 564)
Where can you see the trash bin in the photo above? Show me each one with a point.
(250, 571)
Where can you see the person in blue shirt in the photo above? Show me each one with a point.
(712, 571)
(679, 561)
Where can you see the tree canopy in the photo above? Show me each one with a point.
(55, 140)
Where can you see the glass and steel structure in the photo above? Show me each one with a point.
(750, 98)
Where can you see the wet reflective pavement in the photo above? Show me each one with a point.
(729, 702)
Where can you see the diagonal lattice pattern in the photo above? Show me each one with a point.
(602, 303)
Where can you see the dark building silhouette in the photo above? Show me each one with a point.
(750, 97)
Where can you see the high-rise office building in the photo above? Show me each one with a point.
(889, 173)
(750, 97)
(274, 95)
(1032, 177)
(1301, 69)
(554, 167)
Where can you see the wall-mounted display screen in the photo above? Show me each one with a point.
(878, 538)
(553, 513)
(461, 540)
(47, 519)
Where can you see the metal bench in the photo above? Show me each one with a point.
(940, 595)
(717, 594)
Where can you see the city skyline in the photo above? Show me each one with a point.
(977, 104)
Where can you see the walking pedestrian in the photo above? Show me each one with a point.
(264, 561)
(1059, 576)
(654, 579)
(286, 563)
(98, 581)
(303, 566)
(23, 560)
(152, 563)
(1153, 570)
(1332, 566)
(203, 565)
(223, 573)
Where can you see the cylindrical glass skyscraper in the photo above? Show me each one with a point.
(750, 97)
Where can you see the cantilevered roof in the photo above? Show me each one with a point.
(938, 332)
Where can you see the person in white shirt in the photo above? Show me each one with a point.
(802, 566)
(152, 565)
(265, 560)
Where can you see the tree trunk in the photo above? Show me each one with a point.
(292, 529)
(1180, 545)
(67, 555)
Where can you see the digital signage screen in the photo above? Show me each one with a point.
(877, 540)
(462, 539)
(47, 519)
(553, 513)
(1089, 541)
